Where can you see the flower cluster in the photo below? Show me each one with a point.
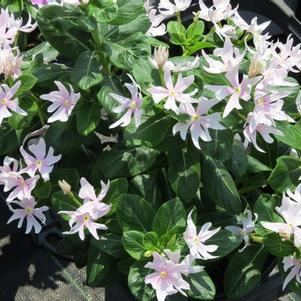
(21, 181)
(10, 57)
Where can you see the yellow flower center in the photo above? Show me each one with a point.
(238, 90)
(163, 274)
(172, 93)
(133, 105)
(195, 117)
(28, 210)
(66, 102)
(39, 162)
(196, 240)
(3, 101)
(86, 218)
(261, 101)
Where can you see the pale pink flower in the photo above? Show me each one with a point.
(196, 241)
(268, 107)
(291, 213)
(169, 9)
(167, 278)
(21, 187)
(295, 196)
(87, 191)
(34, 216)
(247, 226)
(63, 102)
(8, 169)
(229, 55)
(131, 105)
(157, 27)
(264, 130)
(220, 10)
(172, 93)
(9, 27)
(199, 123)
(8, 102)
(294, 265)
(287, 54)
(237, 90)
(85, 217)
(10, 63)
(39, 160)
(253, 28)
(184, 66)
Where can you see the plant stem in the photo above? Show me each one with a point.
(74, 199)
(37, 102)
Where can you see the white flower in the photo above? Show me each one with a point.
(196, 241)
(295, 265)
(247, 226)
(291, 213)
(34, 216)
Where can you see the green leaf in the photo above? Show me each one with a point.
(98, 266)
(151, 241)
(286, 174)
(147, 187)
(87, 118)
(110, 244)
(139, 289)
(127, 52)
(86, 71)
(255, 166)
(127, 162)
(70, 175)
(239, 161)
(128, 10)
(201, 286)
(278, 246)
(226, 242)
(117, 187)
(43, 190)
(264, 207)
(62, 202)
(195, 31)
(102, 11)
(134, 213)
(219, 185)
(291, 134)
(58, 26)
(170, 217)
(133, 243)
(244, 271)
(177, 32)
(198, 46)
(152, 131)
(184, 171)
(27, 83)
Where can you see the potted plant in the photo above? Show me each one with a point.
(173, 165)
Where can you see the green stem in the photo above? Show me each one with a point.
(210, 33)
(239, 115)
(74, 199)
(178, 14)
(37, 102)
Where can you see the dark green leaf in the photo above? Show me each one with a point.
(219, 185)
(184, 171)
(286, 174)
(133, 243)
(139, 289)
(244, 271)
(171, 216)
(134, 213)
(278, 246)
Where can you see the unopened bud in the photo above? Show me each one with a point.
(285, 235)
(161, 55)
(66, 188)
(255, 68)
